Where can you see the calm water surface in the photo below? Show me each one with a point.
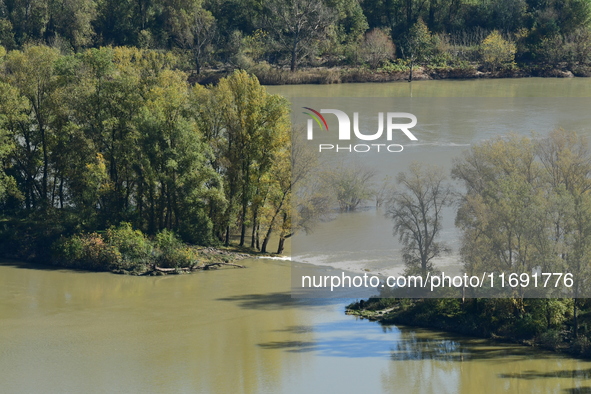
(233, 331)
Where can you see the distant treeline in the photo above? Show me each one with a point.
(375, 33)
(108, 136)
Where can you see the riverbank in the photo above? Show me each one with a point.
(120, 250)
(503, 320)
(268, 75)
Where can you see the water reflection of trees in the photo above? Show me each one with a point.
(415, 348)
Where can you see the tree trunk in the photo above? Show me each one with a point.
(281, 246)
(254, 228)
(575, 319)
(294, 54)
(266, 242)
(197, 64)
(242, 234)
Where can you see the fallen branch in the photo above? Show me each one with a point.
(208, 266)
(195, 267)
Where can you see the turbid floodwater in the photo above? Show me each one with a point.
(233, 331)
(239, 330)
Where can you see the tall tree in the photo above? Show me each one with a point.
(32, 72)
(416, 209)
(254, 123)
(191, 27)
(566, 159)
(297, 23)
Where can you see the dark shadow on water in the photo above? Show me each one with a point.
(356, 347)
(565, 374)
(36, 266)
(278, 300)
(297, 329)
(349, 338)
(578, 390)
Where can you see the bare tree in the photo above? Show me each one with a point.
(350, 185)
(377, 47)
(416, 210)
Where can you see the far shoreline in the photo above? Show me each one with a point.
(271, 76)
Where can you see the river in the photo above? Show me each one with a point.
(239, 330)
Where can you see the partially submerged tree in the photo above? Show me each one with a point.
(416, 208)
(350, 185)
(502, 213)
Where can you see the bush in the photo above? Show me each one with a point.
(171, 252)
(551, 339)
(582, 346)
(398, 65)
(496, 51)
(135, 249)
(377, 48)
(85, 251)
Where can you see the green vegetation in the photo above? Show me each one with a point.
(545, 323)
(107, 136)
(440, 37)
(525, 206)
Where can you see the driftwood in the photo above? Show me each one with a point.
(195, 267)
(208, 266)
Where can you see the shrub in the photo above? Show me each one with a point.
(551, 339)
(399, 65)
(135, 249)
(496, 51)
(171, 252)
(85, 251)
(377, 48)
(582, 346)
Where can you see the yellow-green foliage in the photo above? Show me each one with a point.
(496, 51)
(86, 251)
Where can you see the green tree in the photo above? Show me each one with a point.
(254, 126)
(12, 113)
(566, 159)
(190, 27)
(503, 212)
(72, 21)
(176, 182)
(496, 51)
(419, 45)
(32, 72)
(296, 24)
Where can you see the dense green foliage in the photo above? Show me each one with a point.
(242, 33)
(546, 323)
(112, 135)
